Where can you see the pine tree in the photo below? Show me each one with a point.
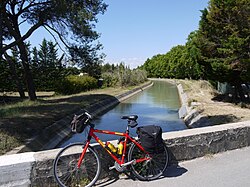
(224, 41)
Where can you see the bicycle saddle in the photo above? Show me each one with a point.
(131, 117)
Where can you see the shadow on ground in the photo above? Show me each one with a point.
(174, 170)
(226, 98)
(205, 121)
(171, 172)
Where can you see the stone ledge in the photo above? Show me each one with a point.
(183, 145)
(193, 143)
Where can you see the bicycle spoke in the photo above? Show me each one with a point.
(151, 169)
(68, 174)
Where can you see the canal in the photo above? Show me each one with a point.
(156, 105)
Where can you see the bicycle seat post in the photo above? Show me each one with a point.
(127, 130)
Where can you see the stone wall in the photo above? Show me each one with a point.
(198, 142)
(35, 168)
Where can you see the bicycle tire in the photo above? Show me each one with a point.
(148, 170)
(65, 167)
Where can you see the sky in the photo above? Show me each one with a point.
(134, 30)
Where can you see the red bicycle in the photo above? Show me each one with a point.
(78, 164)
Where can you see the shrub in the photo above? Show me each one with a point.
(75, 84)
(124, 77)
(138, 76)
(109, 79)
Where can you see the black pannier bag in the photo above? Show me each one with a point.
(151, 138)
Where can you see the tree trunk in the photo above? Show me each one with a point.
(15, 76)
(27, 72)
(1, 29)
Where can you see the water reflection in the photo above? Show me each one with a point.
(157, 105)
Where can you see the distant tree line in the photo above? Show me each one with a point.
(65, 75)
(218, 51)
(46, 66)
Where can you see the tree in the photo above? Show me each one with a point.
(85, 57)
(65, 18)
(180, 62)
(5, 76)
(191, 57)
(46, 66)
(224, 41)
(14, 64)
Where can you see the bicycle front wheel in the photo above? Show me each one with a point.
(150, 169)
(65, 167)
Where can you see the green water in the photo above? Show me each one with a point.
(156, 105)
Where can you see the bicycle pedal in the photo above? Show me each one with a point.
(113, 167)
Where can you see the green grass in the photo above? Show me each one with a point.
(17, 109)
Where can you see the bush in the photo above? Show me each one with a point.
(109, 79)
(138, 76)
(75, 84)
(125, 77)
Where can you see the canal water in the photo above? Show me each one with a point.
(156, 105)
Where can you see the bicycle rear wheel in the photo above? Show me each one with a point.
(150, 169)
(65, 167)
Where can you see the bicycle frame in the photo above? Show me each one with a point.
(98, 140)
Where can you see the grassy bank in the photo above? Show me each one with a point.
(22, 120)
(209, 103)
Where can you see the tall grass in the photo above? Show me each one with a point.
(16, 109)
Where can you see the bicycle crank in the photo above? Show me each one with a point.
(122, 167)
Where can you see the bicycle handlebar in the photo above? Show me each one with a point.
(131, 119)
(88, 115)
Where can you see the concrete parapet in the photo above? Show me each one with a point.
(191, 117)
(198, 142)
(35, 168)
(184, 109)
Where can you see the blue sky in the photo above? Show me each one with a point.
(134, 30)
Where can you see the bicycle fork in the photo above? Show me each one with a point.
(82, 155)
